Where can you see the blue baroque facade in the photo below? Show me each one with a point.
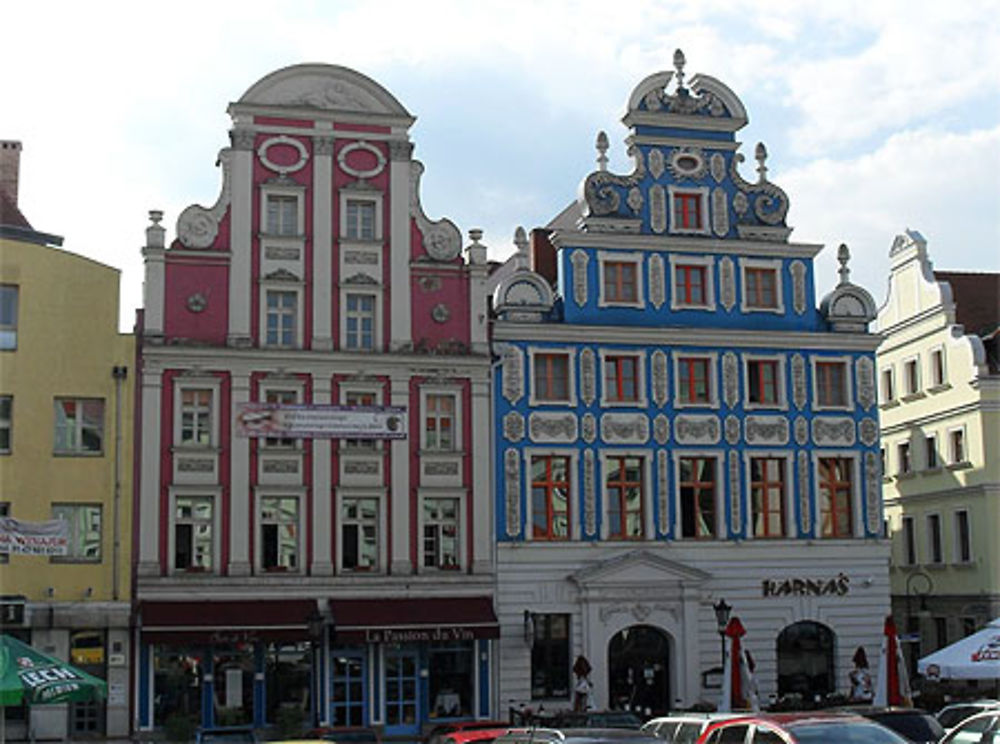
(677, 421)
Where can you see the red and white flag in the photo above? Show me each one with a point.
(739, 686)
(892, 687)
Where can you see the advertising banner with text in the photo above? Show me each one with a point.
(34, 538)
(320, 422)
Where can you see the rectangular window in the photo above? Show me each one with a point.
(835, 489)
(8, 317)
(620, 283)
(767, 494)
(281, 398)
(937, 367)
(359, 534)
(441, 533)
(696, 480)
(762, 382)
(193, 533)
(934, 538)
(79, 426)
(882, 461)
(550, 497)
(963, 537)
(909, 538)
(888, 389)
(624, 497)
(693, 383)
(550, 657)
(911, 375)
(360, 219)
(281, 318)
(279, 533)
(761, 288)
(196, 417)
(360, 322)
(551, 377)
(687, 211)
(439, 422)
(931, 452)
(6, 423)
(282, 215)
(84, 522)
(903, 457)
(956, 446)
(831, 384)
(621, 379)
(689, 285)
(360, 398)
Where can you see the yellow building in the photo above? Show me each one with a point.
(939, 393)
(65, 453)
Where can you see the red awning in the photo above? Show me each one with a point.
(414, 620)
(231, 621)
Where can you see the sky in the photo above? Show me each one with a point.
(878, 115)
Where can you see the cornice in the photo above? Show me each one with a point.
(912, 422)
(309, 113)
(734, 247)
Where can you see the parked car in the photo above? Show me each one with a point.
(440, 732)
(576, 736)
(819, 727)
(952, 715)
(346, 734)
(617, 719)
(912, 724)
(980, 728)
(227, 735)
(477, 736)
(681, 727)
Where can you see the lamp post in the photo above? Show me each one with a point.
(722, 612)
(919, 584)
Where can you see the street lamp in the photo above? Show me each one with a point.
(919, 584)
(722, 612)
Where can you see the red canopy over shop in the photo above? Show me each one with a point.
(229, 621)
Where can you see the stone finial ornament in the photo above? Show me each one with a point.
(760, 154)
(602, 150)
(521, 243)
(679, 63)
(843, 256)
(155, 233)
(848, 308)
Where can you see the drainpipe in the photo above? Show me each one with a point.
(119, 373)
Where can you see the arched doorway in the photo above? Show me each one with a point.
(805, 660)
(639, 670)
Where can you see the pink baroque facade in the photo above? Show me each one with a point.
(313, 530)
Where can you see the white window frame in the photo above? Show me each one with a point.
(782, 388)
(952, 459)
(375, 291)
(702, 191)
(766, 264)
(379, 495)
(574, 490)
(458, 442)
(270, 492)
(908, 540)
(460, 520)
(640, 380)
(704, 262)
(720, 494)
(79, 450)
(7, 424)
(267, 387)
(282, 191)
(713, 377)
(857, 524)
(296, 288)
(571, 369)
(196, 383)
(957, 533)
(887, 397)
(815, 361)
(73, 556)
(647, 493)
(942, 384)
(912, 363)
(929, 520)
(213, 493)
(366, 195)
(788, 502)
(345, 391)
(936, 465)
(632, 257)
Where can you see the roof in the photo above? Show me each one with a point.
(977, 300)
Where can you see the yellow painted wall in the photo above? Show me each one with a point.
(67, 344)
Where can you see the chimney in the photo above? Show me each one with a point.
(543, 255)
(10, 166)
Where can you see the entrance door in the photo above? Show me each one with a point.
(401, 691)
(347, 691)
(639, 670)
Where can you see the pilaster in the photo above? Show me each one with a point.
(322, 491)
(322, 243)
(241, 239)
(149, 472)
(479, 441)
(400, 323)
(240, 516)
(399, 493)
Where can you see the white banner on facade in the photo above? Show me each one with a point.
(34, 538)
(320, 422)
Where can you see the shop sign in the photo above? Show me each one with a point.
(34, 538)
(418, 635)
(835, 587)
(320, 422)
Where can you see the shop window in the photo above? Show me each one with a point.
(281, 318)
(233, 668)
(909, 539)
(6, 423)
(805, 654)
(550, 657)
(551, 377)
(8, 317)
(550, 476)
(194, 533)
(360, 322)
(835, 497)
(279, 398)
(763, 383)
(451, 678)
(84, 524)
(621, 378)
(282, 215)
(695, 385)
(360, 219)
(934, 545)
(347, 686)
(439, 422)
(767, 495)
(624, 495)
(831, 385)
(196, 417)
(79, 426)
(696, 479)
(86, 719)
(963, 537)
(931, 452)
(287, 676)
(279, 533)
(178, 673)
(359, 534)
(440, 526)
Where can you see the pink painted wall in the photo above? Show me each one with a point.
(185, 277)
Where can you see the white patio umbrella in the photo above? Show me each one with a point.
(974, 657)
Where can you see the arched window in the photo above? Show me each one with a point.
(805, 660)
(639, 670)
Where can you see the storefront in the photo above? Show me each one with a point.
(225, 663)
(406, 664)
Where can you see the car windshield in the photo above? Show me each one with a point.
(844, 732)
(951, 717)
(914, 726)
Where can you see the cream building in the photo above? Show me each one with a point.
(939, 393)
